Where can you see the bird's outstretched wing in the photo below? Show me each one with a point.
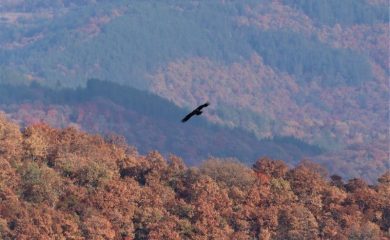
(203, 106)
(185, 119)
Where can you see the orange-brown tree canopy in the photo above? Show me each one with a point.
(67, 184)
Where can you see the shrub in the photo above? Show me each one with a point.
(228, 172)
(10, 138)
(93, 175)
(39, 183)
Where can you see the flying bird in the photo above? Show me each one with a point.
(197, 111)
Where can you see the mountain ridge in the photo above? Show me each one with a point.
(146, 120)
(65, 183)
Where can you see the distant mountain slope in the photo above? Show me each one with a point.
(120, 41)
(146, 120)
(268, 102)
(347, 12)
(124, 41)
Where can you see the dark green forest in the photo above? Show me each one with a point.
(346, 12)
(309, 58)
(148, 34)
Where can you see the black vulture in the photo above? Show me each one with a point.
(197, 111)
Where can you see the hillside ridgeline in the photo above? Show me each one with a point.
(148, 122)
(64, 183)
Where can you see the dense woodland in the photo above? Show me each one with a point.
(65, 183)
(287, 79)
(124, 42)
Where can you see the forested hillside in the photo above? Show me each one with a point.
(147, 121)
(316, 71)
(64, 183)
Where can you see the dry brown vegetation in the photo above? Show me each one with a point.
(67, 184)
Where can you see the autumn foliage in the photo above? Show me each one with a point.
(67, 184)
